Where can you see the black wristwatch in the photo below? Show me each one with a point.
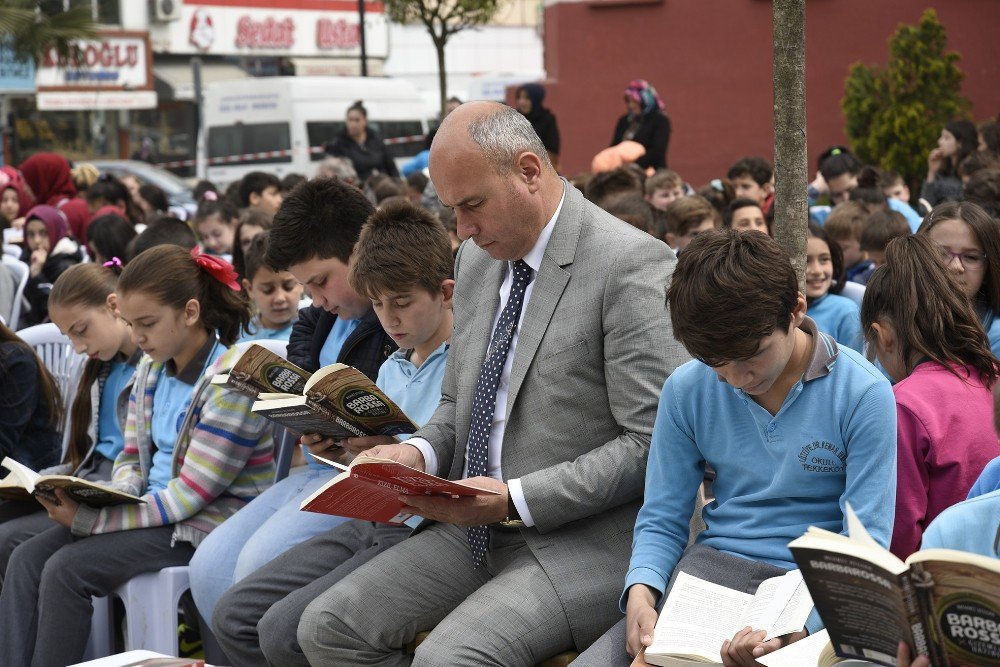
(513, 519)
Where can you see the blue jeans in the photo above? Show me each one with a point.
(267, 527)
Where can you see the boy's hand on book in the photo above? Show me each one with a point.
(466, 511)
(63, 510)
(903, 658)
(640, 615)
(748, 645)
(358, 445)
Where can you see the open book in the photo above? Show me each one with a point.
(258, 370)
(369, 489)
(943, 603)
(337, 401)
(23, 482)
(699, 616)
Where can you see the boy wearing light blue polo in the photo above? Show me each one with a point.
(793, 425)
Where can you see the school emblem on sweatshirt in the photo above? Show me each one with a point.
(822, 456)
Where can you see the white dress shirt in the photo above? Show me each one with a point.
(495, 446)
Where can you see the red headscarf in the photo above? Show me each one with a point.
(48, 176)
(11, 178)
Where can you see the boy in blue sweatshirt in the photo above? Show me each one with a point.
(793, 425)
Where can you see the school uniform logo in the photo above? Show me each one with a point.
(822, 457)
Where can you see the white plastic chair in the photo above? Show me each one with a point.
(20, 271)
(12, 251)
(854, 291)
(63, 362)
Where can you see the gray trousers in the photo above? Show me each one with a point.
(45, 605)
(255, 621)
(700, 561)
(505, 614)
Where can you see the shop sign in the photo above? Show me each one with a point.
(116, 61)
(338, 34)
(16, 76)
(266, 34)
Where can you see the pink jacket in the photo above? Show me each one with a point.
(945, 439)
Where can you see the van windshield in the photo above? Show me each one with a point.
(249, 143)
(321, 132)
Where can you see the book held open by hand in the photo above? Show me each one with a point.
(699, 616)
(369, 489)
(22, 483)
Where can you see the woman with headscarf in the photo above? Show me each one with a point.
(49, 249)
(644, 123)
(15, 200)
(528, 100)
(48, 176)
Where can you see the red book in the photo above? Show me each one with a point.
(369, 489)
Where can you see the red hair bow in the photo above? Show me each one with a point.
(218, 268)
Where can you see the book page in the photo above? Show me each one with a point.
(793, 617)
(803, 652)
(697, 618)
(24, 475)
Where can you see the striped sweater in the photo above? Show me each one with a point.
(223, 459)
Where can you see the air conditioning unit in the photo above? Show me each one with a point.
(165, 10)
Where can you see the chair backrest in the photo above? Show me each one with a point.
(12, 250)
(62, 361)
(853, 291)
(20, 271)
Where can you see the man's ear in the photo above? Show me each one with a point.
(799, 314)
(529, 168)
(192, 312)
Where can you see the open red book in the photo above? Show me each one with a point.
(369, 489)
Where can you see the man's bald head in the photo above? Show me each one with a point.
(501, 133)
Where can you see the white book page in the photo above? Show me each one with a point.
(803, 653)
(856, 530)
(793, 617)
(22, 473)
(780, 603)
(697, 617)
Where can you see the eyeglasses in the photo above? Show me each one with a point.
(971, 260)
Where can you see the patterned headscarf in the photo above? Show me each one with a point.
(643, 93)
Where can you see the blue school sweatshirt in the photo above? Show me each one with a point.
(833, 441)
(840, 317)
(989, 480)
(973, 525)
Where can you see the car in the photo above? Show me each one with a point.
(177, 189)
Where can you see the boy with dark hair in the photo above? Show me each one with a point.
(799, 427)
(260, 189)
(883, 226)
(688, 217)
(746, 215)
(753, 178)
(166, 230)
(894, 187)
(840, 171)
(845, 226)
(663, 188)
(312, 237)
(633, 209)
(403, 263)
(605, 185)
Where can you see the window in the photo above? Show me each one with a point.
(319, 133)
(394, 129)
(242, 138)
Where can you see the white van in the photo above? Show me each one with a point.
(280, 124)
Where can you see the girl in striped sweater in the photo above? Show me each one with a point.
(193, 451)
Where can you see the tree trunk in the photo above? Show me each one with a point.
(442, 75)
(791, 206)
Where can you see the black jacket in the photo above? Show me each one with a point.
(371, 156)
(653, 133)
(366, 348)
(67, 253)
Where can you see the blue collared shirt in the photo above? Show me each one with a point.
(833, 441)
(840, 317)
(110, 440)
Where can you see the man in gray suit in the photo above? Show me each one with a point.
(561, 345)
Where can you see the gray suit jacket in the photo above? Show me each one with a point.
(594, 349)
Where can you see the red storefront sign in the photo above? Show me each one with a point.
(337, 34)
(266, 34)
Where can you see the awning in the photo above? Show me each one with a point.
(178, 79)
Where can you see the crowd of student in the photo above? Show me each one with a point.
(802, 422)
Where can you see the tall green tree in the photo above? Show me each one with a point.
(30, 28)
(894, 115)
(442, 18)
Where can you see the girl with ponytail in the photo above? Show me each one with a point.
(927, 336)
(193, 451)
(84, 307)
